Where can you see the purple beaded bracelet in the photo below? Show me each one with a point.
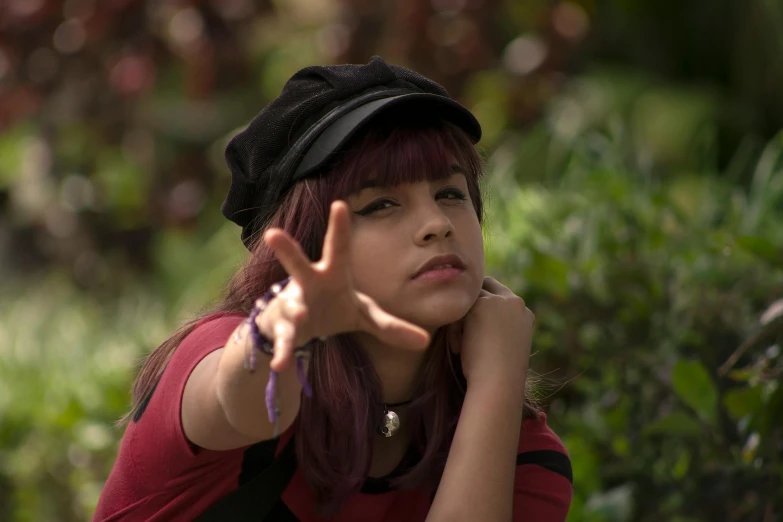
(262, 344)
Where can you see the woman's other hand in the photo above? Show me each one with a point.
(496, 337)
(320, 300)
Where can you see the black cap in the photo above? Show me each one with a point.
(319, 110)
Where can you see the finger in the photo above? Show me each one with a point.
(482, 294)
(338, 232)
(283, 309)
(393, 330)
(284, 335)
(495, 287)
(290, 254)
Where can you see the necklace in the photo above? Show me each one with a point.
(391, 421)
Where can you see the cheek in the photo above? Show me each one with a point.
(479, 247)
(473, 242)
(372, 259)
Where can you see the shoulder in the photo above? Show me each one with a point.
(214, 328)
(539, 445)
(536, 435)
(544, 480)
(209, 333)
(158, 418)
(156, 461)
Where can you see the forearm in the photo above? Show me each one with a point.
(478, 481)
(241, 393)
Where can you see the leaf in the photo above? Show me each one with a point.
(614, 504)
(550, 272)
(694, 386)
(741, 402)
(13, 143)
(772, 419)
(743, 375)
(677, 423)
(762, 248)
(682, 465)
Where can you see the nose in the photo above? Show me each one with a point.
(434, 225)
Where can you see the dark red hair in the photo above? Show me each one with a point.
(335, 428)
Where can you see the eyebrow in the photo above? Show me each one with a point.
(374, 183)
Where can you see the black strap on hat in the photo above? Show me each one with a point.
(325, 105)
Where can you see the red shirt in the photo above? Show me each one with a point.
(160, 476)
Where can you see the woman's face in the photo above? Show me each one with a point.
(398, 230)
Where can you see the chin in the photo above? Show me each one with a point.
(434, 313)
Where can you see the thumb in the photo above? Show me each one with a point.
(398, 332)
(392, 330)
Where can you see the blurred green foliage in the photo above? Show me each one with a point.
(66, 370)
(636, 199)
(642, 290)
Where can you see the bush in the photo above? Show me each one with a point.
(66, 365)
(641, 291)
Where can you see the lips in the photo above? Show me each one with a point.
(442, 261)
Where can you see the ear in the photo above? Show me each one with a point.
(454, 336)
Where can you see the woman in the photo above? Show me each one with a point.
(397, 383)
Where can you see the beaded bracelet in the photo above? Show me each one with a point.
(262, 344)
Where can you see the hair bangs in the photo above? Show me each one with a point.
(400, 152)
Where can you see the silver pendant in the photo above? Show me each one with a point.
(391, 424)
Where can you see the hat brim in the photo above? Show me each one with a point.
(340, 131)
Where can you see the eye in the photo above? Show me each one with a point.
(453, 194)
(375, 206)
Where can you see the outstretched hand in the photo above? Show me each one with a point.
(320, 300)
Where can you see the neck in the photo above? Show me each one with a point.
(398, 369)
